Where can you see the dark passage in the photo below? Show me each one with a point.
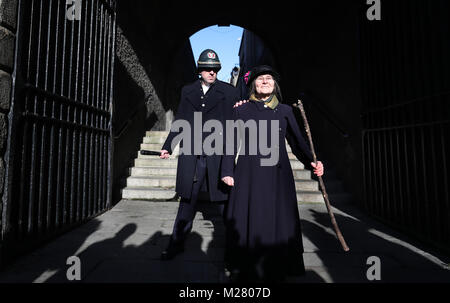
(79, 91)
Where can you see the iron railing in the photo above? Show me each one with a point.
(406, 115)
(59, 149)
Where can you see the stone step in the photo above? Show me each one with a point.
(155, 162)
(151, 146)
(157, 133)
(154, 181)
(153, 178)
(136, 193)
(154, 140)
(158, 146)
(309, 197)
(295, 164)
(291, 156)
(306, 185)
(161, 136)
(169, 182)
(172, 156)
(301, 174)
(156, 193)
(139, 156)
(153, 171)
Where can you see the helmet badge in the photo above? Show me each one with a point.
(211, 55)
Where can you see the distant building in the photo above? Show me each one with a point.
(234, 75)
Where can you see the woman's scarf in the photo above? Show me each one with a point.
(272, 102)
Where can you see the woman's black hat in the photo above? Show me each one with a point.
(262, 70)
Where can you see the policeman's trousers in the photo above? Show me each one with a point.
(188, 206)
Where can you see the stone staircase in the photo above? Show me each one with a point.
(152, 178)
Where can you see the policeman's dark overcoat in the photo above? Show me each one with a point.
(216, 104)
(262, 214)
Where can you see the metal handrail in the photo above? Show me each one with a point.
(320, 108)
(405, 103)
(127, 123)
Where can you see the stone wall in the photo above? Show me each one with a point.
(8, 25)
(146, 91)
(318, 61)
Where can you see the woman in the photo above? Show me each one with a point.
(263, 226)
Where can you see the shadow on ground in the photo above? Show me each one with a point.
(124, 245)
(402, 259)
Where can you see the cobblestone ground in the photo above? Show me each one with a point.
(124, 245)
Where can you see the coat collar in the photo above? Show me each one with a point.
(213, 96)
(259, 105)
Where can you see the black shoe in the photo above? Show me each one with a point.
(172, 251)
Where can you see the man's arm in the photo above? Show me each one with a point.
(181, 114)
(231, 144)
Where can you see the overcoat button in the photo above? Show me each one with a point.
(203, 105)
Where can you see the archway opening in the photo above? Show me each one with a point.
(225, 40)
(239, 49)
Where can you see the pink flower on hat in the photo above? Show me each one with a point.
(246, 77)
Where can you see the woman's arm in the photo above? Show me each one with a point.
(296, 141)
(299, 146)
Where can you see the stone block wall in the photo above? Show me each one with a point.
(8, 25)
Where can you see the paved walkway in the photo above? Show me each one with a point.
(124, 244)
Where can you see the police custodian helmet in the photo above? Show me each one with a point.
(208, 59)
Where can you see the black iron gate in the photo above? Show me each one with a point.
(59, 150)
(406, 119)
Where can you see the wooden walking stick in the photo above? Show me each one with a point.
(322, 185)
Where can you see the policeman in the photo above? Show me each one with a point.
(214, 99)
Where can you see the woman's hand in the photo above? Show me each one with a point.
(164, 154)
(240, 103)
(228, 181)
(318, 170)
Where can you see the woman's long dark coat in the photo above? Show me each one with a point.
(263, 224)
(216, 104)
